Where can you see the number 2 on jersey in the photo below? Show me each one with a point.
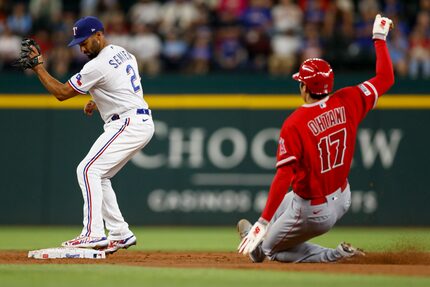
(133, 78)
(336, 140)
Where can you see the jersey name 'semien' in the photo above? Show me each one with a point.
(120, 58)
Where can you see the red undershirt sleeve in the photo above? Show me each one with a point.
(279, 187)
(384, 78)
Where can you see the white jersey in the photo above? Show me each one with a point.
(112, 78)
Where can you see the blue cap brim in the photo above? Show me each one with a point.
(77, 41)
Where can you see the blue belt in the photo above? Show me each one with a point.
(138, 112)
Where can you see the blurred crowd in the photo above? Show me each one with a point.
(202, 36)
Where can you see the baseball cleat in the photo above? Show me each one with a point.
(115, 245)
(243, 227)
(347, 250)
(86, 242)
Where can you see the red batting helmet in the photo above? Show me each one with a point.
(317, 75)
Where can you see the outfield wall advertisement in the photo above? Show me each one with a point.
(219, 165)
(205, 167)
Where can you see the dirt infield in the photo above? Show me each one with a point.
(389, 263)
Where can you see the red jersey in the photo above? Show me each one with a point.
(317, 141)
(320, 138)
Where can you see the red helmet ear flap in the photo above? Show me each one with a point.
(317, 75)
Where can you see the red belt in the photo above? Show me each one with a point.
(321, 200)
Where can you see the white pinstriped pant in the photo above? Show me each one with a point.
(110, 152)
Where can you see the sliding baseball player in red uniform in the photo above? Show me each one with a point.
(315, 150)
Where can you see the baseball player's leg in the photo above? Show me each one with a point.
(286, 202)
(121, 139)
(92, 234)
(90, 183)
(285, 240)
(110, 149)
(308, 253)
(258, 255)
(90, 172)
(115, 223)
(136, 136)
(343, 203)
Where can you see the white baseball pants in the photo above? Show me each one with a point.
(121, 139)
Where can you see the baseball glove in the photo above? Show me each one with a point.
(25, 61)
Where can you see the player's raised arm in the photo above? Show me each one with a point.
(384, 78)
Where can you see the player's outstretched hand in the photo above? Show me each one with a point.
(90, 107)
(381, 27)
(254, 237)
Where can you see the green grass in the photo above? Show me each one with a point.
(216, 238)
(199, 239)
(102, 275)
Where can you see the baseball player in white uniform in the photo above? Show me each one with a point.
(112, 78)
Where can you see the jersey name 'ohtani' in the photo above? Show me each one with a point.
(327, 120)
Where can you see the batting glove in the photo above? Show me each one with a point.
(381, 27)
(254, 237)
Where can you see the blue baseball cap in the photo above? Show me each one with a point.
(84, 28)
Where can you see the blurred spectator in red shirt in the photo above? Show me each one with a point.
(4, 6)
(43, 38)
(232, 7)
